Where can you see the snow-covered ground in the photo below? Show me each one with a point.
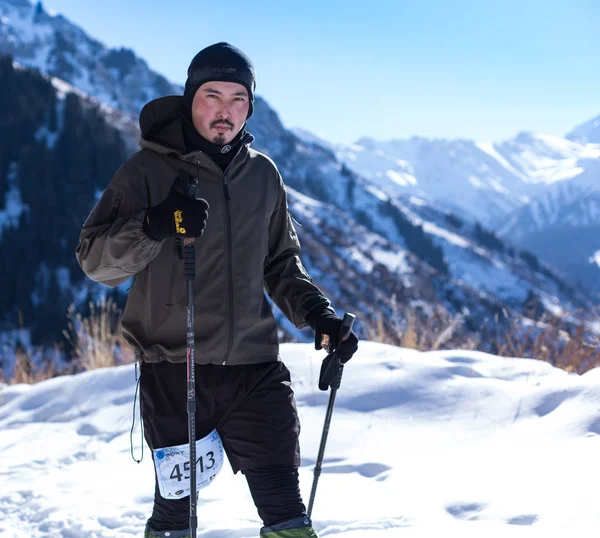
(450, 443)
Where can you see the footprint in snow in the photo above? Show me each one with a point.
(368, 470)
(552, 401)
(466, 511)
(528, 519)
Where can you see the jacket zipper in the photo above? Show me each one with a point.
(229, 250)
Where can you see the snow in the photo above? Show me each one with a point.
(375, 191)
(21, 25)
(488, 148)
(13, 202)
(43, 133)
(63, 88)
(394, 261)
(588, 132)
(574, 203)
(477, 183)
(374, 249)
(13, 208)
(552, 305)
(498, 187)
(359, 257)
(450, 237)
(546, 159)
(63, 278)
(401, 179)
(448, 443)
(418, 201)
(42, 281)
(38, 43)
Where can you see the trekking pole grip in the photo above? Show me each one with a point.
(332, 368)
(347, 323)
(189, 259)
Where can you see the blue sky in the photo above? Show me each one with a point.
(482, 69)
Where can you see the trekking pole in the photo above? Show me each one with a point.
(331, 374)
(189, 269)
(189, 187)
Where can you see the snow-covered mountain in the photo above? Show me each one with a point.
(482, 181)
(562, 223)
(367, 249)
(57, 47)
(562, 227)
(570, 204)
(539, 191)
(467, 259)
(588, 131)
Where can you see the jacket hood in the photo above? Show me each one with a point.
(161, 126)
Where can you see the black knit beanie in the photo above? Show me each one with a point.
(220, 61)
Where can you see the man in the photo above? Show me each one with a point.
(248, 244)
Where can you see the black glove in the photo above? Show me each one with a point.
(176, 216)
(325, 321)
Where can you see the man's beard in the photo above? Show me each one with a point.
(220, 137)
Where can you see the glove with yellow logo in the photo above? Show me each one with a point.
(176, 216)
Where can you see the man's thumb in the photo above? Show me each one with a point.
(318, 336)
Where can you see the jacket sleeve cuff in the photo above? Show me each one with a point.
(315, 308)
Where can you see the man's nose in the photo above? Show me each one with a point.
(225, 110)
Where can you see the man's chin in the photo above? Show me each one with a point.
(222, 138)
(219, 139)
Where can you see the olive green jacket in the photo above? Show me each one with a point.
(249, 245)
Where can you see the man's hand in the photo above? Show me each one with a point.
(176, 216)
(326, 323)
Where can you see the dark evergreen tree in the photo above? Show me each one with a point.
(57, 174)
(530, 259)
(417, 241)
(488, 239)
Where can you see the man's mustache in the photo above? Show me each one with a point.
(221, 122)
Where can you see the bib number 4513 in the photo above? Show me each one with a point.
(173, 466)
(176, 473)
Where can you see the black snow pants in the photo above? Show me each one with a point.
(253, 409)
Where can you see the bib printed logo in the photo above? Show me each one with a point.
(173, 466)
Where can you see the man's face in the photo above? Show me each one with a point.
(219, 110)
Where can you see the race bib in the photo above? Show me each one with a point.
(173, 466)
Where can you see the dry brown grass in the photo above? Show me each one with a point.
(96, 339)
(570, 347)
(424, 331)
(96, 342)
(26, 372)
